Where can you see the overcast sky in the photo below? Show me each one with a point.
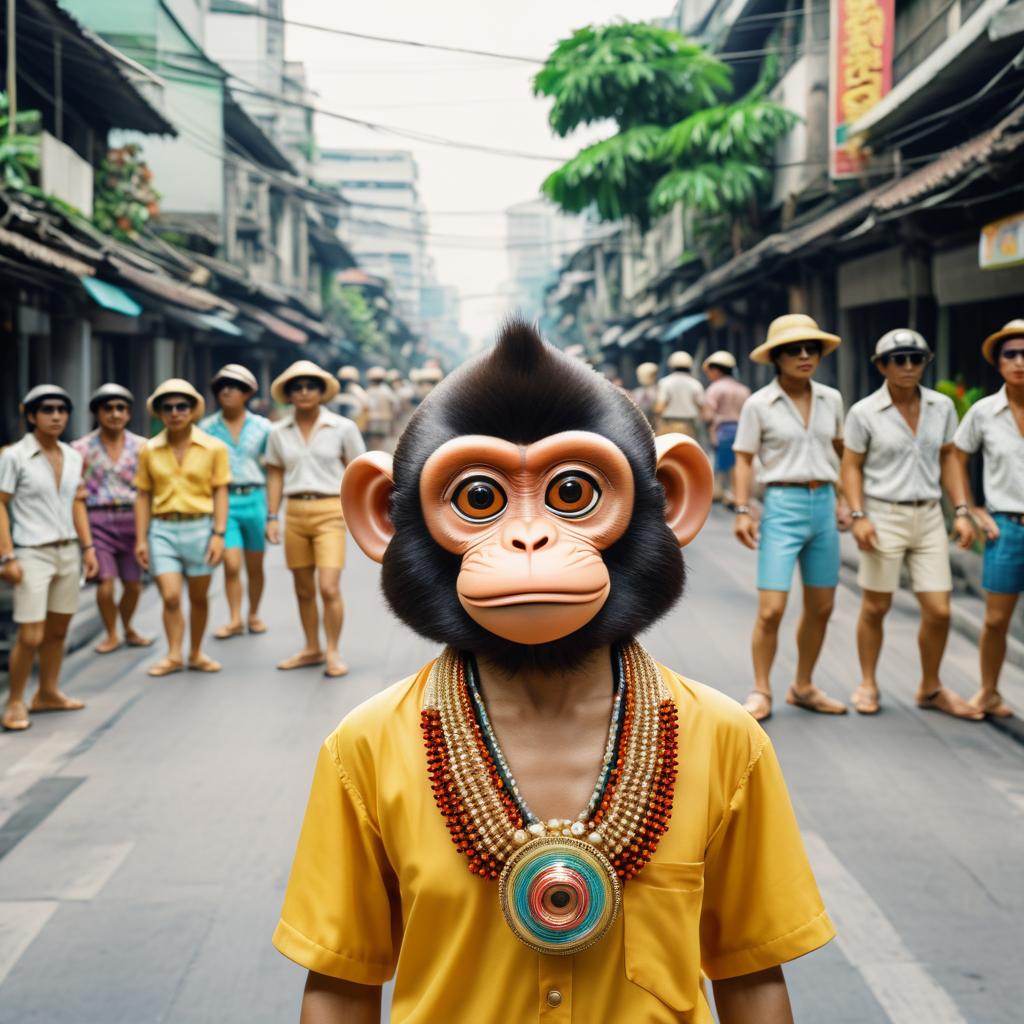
(473, 99)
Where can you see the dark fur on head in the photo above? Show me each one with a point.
(522, 391)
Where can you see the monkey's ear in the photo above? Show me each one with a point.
(686, 475)
(365, 495)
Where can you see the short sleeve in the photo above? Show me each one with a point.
(221, 466)
(840, 414)
(949, 430)
(761, 903)
(8, 471)
(143, 477)
(662, 390)
(274, 456)
(857, 434)
(352, 443)
(748, 433)
(338, 915)
(968, 435)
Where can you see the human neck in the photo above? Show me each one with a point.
(549, 691)
(1015, 393)
(179, 435)
(901, 395)
(794, 385)
(233, 415)
(46, 440)
(307, 415)
(111, 436)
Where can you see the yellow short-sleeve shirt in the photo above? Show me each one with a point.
(186, 488)
(377, 885)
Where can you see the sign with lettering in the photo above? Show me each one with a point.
(1002, 243)
(861, 45)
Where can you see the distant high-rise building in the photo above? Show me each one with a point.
(538, 236)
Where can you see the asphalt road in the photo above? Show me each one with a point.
(145, 842)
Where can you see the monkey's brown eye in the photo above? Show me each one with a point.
(572, 494)
(479, 499)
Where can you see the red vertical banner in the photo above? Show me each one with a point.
(861, 49)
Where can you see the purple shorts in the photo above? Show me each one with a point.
(113, 533)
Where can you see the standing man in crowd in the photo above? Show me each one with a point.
(995, 427)
(899, 452)
(43, 521)
(723, 402)
(645, 394)
(351, 401)
(382, 409)
(181, 515)
(795, 426)
(306, 456)
(245, 435)
(680, 397)
(110, 458)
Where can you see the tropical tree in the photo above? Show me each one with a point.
(349, 309)
(19, 150)
(682, 136)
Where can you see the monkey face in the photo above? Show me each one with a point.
(529, 524)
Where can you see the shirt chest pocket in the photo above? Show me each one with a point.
(661, 909)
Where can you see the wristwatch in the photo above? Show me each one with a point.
(9, 557)
(219, 533)
(273, 518)
(741, 510)
(856, 513)
(962, 511)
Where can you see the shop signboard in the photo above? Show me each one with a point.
(1002, 243)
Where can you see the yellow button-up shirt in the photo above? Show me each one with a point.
(378, 886)
(186, 487)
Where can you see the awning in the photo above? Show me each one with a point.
(682, 325)
(109, 296)
(635, 331)
(273, 325)
(201, 321)
(44, 254)
(611, 335)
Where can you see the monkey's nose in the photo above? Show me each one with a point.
(528, 535)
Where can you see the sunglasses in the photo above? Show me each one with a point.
(1012, 354)
(169, 407)
(115, 407)
(53, 409)
(801, 348)
(303, 385)
(906, 359)
(232, 385)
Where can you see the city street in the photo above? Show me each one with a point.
(146, 841)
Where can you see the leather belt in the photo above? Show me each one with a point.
(244, 488)
(912, 503)
(181, 517)
(109, 508)
(309, 497)
(50, 544)
(809, 485)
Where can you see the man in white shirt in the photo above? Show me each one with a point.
(43, 520)
(680, 398)
(307, 452)
(898, 454)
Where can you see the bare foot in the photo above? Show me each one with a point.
(336, 668)
(43, 702)
(15, 718)
(228, 631)
(991, 703)
(108, 644)
(813, 699)
(256, 624)
(137, 639)
(166, 667)
(950, 703)
(304, 659)
(865, 700)
(203, 663)
(759, 705)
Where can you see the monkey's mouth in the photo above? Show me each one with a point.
(536, 597)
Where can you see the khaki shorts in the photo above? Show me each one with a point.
(50, 582)
(673, 426)
(314, 534)
(916, 533)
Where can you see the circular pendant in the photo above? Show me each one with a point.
(559, 895)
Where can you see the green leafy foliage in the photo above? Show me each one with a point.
(349, 309)
(963, 397)
(19, 151)
(124, 200)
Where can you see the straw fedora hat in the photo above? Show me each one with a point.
(304, 368)
(720, 358)
(1014, 329)
(239, 374)
(176, 386)
(793, 327)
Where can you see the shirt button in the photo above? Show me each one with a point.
(554, 997)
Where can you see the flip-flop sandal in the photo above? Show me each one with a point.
(766, 698)
(100, 649)
(930, 703)
(165, 667)
(815, 701)
(71, 705)
(997, 710)
(864, 702)
(207, 665)
(227, 632)
(15, 724)
(260, 627)
(331, 672)
(140, 641)
(301, 663)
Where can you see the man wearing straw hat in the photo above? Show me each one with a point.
(181, 514)
(899, 453)
(723, 402)
(307, 452)
(795, 426)
(680, 397)
(383, 403)
(995, 427)
(245, 435)
(645, 394)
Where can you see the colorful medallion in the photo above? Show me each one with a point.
(559, 896)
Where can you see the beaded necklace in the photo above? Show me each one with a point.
(559, 881)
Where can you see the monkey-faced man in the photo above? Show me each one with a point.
(625, 828)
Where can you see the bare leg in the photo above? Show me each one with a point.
(19, 667)
(233, 592)
(334, 617)
(874, 607)
(129, 602)
(305, 593)
(108, 613)
(170, 585)
(999, 610)
(254, 572)
(198, 611)
(51, 656)
(770, 609)
(931, 641)
(810, 635)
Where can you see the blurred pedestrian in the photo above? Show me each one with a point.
(245, 435)
(110, 458)
(995, 427)
(898, 455)
(351, 401)
(306, 457)
(43, 521)
(646, 393)
(680, 397)
(795, 427)
(181, 515)
(723, 402)
(381, 411)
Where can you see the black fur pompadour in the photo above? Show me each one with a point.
(524, 390)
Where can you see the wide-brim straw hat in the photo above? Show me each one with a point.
(304, 368)
(784, 330)
(680, 361)
(376, 373)
(176, 386)
(720, 358)
(239, 374)
(647, 373)
(1014, 329)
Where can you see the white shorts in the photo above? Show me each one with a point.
(915, 533)
(50, 582)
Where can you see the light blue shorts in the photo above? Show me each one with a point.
(180, 547)
(247, 520)
(1002, 571)
(798, 525)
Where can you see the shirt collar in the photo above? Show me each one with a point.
(776, 390)
(31, 443)
(323, 418)
(1000, 401)
(198, 437)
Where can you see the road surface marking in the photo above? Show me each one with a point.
(20, 923)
